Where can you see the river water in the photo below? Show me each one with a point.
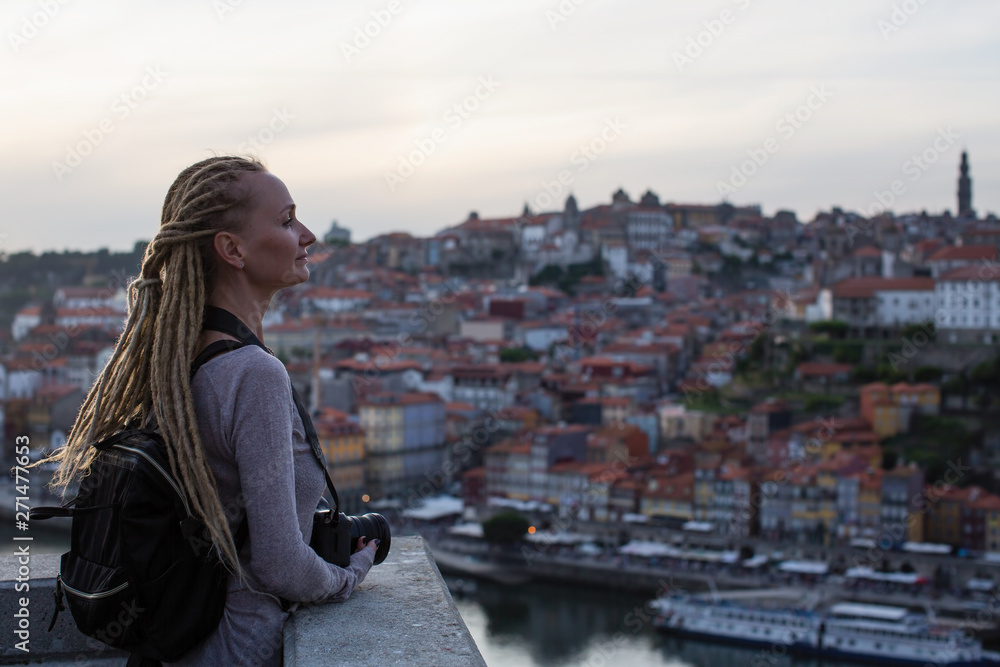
(546, 625)
(550, 625)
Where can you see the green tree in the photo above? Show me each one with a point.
(517, 355)
(910, 329)
(552, 273)
(987, 374)
(864, 374)
(505, 527)
(821, 402)
(833, 328)
(847, 352)
(927, 374)
(886, 373)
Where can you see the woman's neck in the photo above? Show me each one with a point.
(250, 313)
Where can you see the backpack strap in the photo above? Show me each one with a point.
(212, 350)
(218, 319)
(42, 513)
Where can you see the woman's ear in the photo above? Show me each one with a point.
(229, 248)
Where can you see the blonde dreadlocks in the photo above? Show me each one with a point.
(149, 371)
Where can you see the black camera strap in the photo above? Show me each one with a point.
(219, 319)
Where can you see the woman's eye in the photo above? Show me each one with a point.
(288, 222)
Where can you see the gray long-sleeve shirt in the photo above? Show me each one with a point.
(256, 446)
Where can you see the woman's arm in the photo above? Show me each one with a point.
(280, 559)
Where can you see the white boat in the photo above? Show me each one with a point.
(894, 634)
(791, 628)
(870, 633)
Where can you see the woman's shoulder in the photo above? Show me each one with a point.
(245, 363)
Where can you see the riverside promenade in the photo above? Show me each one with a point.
(519, 567)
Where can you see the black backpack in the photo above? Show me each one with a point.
(141, 574)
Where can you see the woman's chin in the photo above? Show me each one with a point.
(296, 276)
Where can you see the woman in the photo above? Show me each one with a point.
(228, 238)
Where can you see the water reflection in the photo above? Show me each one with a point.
(556, 624)
(544, 625)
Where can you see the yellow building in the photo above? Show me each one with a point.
(404, 440)
(923, 397)
(669, 497)
(343, 444)
(826, 483)
(383, 426)
(944, 515)
(991, 537)
(870, 503)
(813, 507)
(889, 408)
(706, 466)
(383, 436)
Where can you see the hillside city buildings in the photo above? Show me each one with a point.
(640, 361)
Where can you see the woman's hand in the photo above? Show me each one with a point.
(362, 544)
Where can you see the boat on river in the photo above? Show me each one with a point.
(865, 632)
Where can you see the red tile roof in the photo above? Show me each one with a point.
(868, 251)
(964, 252)
(985, 501)
(974, 272)
(855, 288)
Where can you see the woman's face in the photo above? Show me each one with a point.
(275, 242)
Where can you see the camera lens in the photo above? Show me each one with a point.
(374, 527)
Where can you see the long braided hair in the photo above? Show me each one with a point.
(149, 371)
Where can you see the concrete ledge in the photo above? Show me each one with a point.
(402, 614)
(65, 642)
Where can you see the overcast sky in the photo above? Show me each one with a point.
(105, 102)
